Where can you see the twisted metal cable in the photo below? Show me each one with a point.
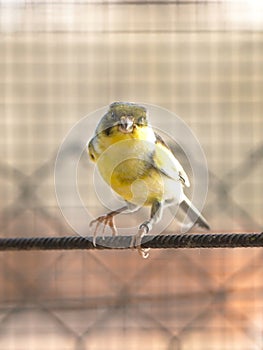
(215, 240)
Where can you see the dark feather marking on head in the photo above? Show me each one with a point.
(107, 131)
(127, 104)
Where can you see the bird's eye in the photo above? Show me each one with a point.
(113, 116)
(141, 120)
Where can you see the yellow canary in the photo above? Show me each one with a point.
(138, 165)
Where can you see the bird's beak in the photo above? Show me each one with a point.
(126, 124)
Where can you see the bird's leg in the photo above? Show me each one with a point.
(106, 220)
(146, 227)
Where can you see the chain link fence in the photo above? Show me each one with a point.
(60, 61)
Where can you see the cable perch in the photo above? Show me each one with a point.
(212, 240)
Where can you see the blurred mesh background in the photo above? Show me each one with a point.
(60, 61)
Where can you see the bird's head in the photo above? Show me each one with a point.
(123, 117)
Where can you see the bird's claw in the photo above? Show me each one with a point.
(146, 226)
(137, 240)
(105, 220)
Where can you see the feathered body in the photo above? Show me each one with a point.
(125, 158)
(136, 162)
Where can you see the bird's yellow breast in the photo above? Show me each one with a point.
(140, 187)
(125, 164)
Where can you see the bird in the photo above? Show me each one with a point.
(139, 166)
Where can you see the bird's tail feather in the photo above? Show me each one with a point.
(193, 213)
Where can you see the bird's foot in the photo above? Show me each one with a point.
(105, 220)
(137, 239)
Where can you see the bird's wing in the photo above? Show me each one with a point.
(166, 163)
(91, 150)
